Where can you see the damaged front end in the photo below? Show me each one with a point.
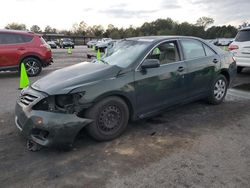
(50, 120)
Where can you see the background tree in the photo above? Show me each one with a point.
(35, 29)
(158, 27)
(204, 22)
(16, 26)
(221, 32)
(49, 29)
(79, 29)
(113, 32)
(97, 31)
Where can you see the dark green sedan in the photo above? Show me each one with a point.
(138, 78)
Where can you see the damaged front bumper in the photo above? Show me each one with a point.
(48, 128)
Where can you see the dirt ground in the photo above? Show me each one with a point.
(196, 145)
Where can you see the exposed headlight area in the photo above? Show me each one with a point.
(66, 103)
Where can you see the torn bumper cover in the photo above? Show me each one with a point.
(48, 128)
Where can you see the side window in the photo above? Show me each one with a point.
(209, 51)
(6, 38)
(192, 49)
(1, 38)
(9, 38)
(166, 53)
(26, 38)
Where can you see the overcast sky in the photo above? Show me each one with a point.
(62, 14)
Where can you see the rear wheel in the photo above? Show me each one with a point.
(218, 90)
(110, 118)
(33, 66)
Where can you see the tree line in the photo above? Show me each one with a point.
(158, 27)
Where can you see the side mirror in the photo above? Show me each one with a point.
(150, 63)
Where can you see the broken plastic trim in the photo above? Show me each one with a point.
(66, 103)
(33, 146)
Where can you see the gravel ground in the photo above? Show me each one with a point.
(196, 145)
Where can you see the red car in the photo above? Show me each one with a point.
(18, 47)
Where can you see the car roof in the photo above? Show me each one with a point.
(245, 29)
(161, 38)
(17, 31)
(156, 39)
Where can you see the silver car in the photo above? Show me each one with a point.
(241, 49)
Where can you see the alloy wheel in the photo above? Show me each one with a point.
(32, 67)
(219, 89)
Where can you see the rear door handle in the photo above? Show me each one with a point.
(215, 61)
(180, 69)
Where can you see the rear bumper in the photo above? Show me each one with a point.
(48, 128)
(242, 61)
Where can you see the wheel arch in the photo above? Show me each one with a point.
(225, 73)
(30, 56)
(121, 95)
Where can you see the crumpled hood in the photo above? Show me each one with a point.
(64, 80)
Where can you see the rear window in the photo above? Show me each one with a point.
(243, 36)
(11, 38)
(192, 49)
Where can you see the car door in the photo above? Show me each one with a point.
(10, 49)
(202, 64)
(163, 86)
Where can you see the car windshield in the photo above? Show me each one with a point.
(124, 52)
(243, 36)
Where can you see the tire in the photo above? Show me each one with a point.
(33, 66)
(218, 90)
(110, 119)
(239, 69)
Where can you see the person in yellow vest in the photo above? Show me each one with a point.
(156, 51)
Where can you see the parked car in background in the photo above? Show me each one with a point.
(18, 47)
(223, 41)
(66, 42)
(52, 44)
(103, 40)
(91, 43)
(241, 49)
(138, 79)
(102, 46)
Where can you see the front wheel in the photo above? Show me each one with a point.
(33, 66)
(218, 90)
(110, 119)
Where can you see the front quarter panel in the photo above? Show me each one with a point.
(122, 85)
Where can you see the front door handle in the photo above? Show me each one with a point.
(215, 61)
(180, 69)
